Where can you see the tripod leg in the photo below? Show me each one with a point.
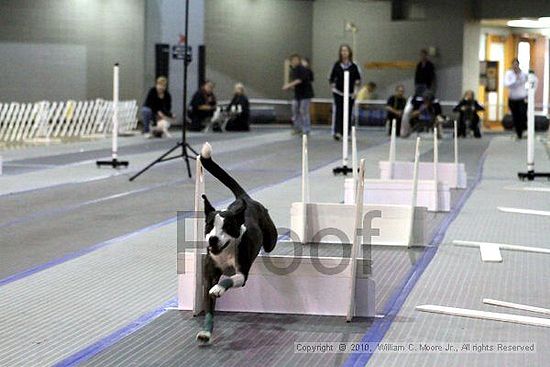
(159, 159)
(191, 149)
(186, 157)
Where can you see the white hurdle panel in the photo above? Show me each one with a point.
(303, 290)
(399, 224)
(431, 194)
(453, 174)
(44, 120)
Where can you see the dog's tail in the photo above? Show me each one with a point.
(219, 173)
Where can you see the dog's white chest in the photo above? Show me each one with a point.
(226, 259)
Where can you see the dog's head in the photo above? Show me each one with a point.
(223, 228)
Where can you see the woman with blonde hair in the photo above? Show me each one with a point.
(238, 110)
(157, 105)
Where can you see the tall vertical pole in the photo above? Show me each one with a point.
(392, 147)
(531, 123)
(354, 154)
(305, 170)
(115, 111)
(305, 188)
(414, 191)
(531, 174)
(114, 162)
(198, 239)
(456, 152)
(185, 65)
(436, 167)
(346, 120)
(356, 245)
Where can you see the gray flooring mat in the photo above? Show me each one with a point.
(33, 229)
(19, 166)
(267, 340)
(457, 277)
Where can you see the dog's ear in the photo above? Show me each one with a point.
(208, 208)
(238, 210)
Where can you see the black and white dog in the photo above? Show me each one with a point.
(234, 238)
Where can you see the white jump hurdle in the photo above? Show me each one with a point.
(432, 194)
(453, 174)
(301, 289)
(398, 225)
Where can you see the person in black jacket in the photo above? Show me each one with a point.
(202, 106)
(336, 79)
(303, 92)
(426, 113)
(467, 109)
(395, 107)
(157, 105)
(424, 76)
(238, 110)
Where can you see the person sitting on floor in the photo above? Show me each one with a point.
(426, 113)
(202, 107)
(157, 105)
(467, 109)
(238, 110)
(395, 108)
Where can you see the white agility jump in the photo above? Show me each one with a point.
(453, 174)
(282, 284)
(317, 222)
(49, 120)
(432, 194)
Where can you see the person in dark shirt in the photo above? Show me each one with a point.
(157, 105)
(395, 107)
(426, 112)
(202, 106)
(336, 80)
(303, 92)
(306, 64)
(467, 109)
(238, 110)
(424, 76)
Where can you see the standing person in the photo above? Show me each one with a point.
(157, 105)
(424, 76)
(239, 110)
(516, 80)
(395, 107)
(303, 92)
(467, 110)
(336, 79)
(202, 106)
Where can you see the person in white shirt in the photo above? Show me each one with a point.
(516, 81)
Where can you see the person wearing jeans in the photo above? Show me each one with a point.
(300, 115)
(303, 92)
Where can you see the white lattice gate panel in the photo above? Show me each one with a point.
(27, 121)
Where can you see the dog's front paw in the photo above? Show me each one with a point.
(204, 336)
(216, 291)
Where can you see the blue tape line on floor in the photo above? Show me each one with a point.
(73, 255)
(111, 339)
